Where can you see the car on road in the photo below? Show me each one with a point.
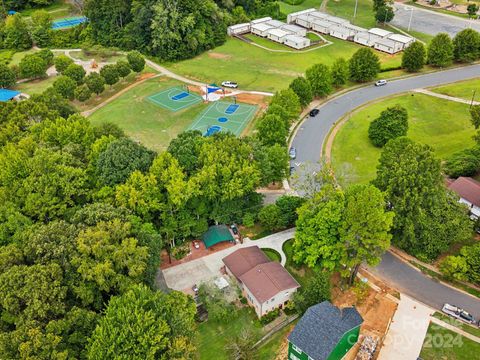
(381, 83)
(314, 112)
(292, 153)
(459, 313)
(230, 84)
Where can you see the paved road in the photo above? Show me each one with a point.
(411, 282)
(430, 22)
(312, 133)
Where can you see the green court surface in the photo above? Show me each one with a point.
(224, 116)
(175, 98)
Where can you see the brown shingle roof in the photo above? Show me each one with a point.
(244, 259)
(468, 189)
(266, 280)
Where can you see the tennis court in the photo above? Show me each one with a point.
(175, 98)
(68, 22)
(224, 116)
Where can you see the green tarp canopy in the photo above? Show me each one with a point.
(217, 234)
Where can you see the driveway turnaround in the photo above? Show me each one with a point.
(312, 133)
(412, 282)
(407, 331)
(429, 21)
(184, 276)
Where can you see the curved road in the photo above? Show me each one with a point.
(309, 140)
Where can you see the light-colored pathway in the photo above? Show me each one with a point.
(455, 329)
(446, 97)
(407, 331)
(184, 276)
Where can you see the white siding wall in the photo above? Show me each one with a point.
(277, 300)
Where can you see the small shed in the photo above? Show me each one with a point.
(7, 95)
(296, 42)
(275, 23)
(324, 332)
(388, 46)
(379, 32)
(261, 20)
(217, 234)
(293, 16)
(404, 41)
(277, 35)
(322, 26)
(365, 38)
(238, 29)
(261, 29)
(294, 29)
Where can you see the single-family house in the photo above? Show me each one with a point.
(381, 33)
(365, 38)
(238, 29)
(468, 190)
(293, 16)
(260, 29)
(322, 26)
(294, 29)
(265, 284)
(296, 42)
(401, 40)
(387, 45)
(277, 35)
(324, 332)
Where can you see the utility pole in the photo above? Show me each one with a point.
(473, 97)
(355, 11)
(411, 16)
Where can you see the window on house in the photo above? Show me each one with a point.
(297, 349)
(294, 357)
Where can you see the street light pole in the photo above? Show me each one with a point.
(411, 16)
(355, 11)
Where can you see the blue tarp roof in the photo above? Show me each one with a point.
(11, 12)
(6, 94)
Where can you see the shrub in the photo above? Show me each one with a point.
(75, 72)
(270, 217)
(65, 86)
(83, 93)
(7, 76)
(95, 82)
(46, 55)
(269, 317)
(110, 74)
(243, 300)
(463, 163)
(32, 66)
(61, 62)
(454, 267)
(136, 61)
(123, 68)
(249, 219)
(392, 123)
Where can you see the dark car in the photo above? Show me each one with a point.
(292, 153)
(314, 112)
(234, 229)
(292, 169)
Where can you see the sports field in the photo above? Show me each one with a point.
(444, 125)
(224, 116)
(175, 98)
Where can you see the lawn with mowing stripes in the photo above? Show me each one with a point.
(444, 125)
(466, 90)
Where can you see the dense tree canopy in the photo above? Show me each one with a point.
(440, 51)
(413, 58)
(392, 123)
(364, 65)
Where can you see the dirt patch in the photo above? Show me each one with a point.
(282, 352)
(214, 55)
(145, 76)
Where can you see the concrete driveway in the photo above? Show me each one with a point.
(184, 276)
(430, 22)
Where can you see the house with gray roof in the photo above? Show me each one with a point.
(324, 332)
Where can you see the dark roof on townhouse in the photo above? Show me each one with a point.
(468, 189)
(266, 280)
(245, 259)
(322, 327)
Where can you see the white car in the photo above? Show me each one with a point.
(459, 314)
(381, 83)
(230, 84)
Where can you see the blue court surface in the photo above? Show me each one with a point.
(68, 22)
(175, 99)
(224, 116)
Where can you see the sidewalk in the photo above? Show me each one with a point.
(446, 97)
(454, 329)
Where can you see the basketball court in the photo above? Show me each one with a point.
(224, 116)
(175, 99)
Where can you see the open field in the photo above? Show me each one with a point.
(464, 89)
(259, 69)
(441, 343)
(287, 8)
(35, 86)
(445, 126)
(143, 120)
(345, 9)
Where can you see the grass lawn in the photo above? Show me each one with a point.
(18, 56)
(99, 55)
(259, 69)
(36, 86)
(441, 343)
(58, 7)
(302, 5)
(462, 89)
(345, 9)
(445, 126)
(272, 254)
(144, 121)
(461, 325)
(301, 273)
(214, 336)
(269, 349)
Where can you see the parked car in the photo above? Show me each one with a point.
(381, 83)
(459, 313)
(314, 112)
(292, 170)
(195, 289)
(292, 153)
(234, 229)
(230, 84)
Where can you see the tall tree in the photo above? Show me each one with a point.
(303, 89)
(392, 123)
(364, 65)
(466, 46)
(272, 130)
(413, 58)
(7, 77)
(320, 79)
(340, 72)
(440, 51)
